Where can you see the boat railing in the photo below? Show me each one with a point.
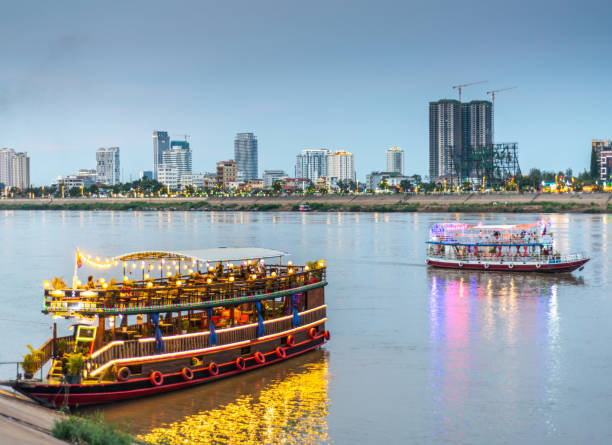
(145, 347)
(181, 291)
(495, 257)
(490, 241)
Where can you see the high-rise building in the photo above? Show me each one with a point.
(227, 171)
(444, 136)
(271, 176)
(108, 166)
(395, 160)
(179, 157)
(477, 124)
(312, 164)
(455, 130)
(341, 166)
(14, 169)
(6, 166)
(161, 143)
(245, 155)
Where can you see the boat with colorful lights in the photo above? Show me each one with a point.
(510, 248)
(173, 320)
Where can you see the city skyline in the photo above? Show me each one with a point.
(347, 89)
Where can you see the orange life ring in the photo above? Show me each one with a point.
(156, 378)
(240, 363)
(280, 352)
(259, 357)
(187, 373)
(213, 369)
(290, 340)
(327, 335)
(312, 332)
(123, 374)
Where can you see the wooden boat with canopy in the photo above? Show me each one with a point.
(511, 248)
(174, 320)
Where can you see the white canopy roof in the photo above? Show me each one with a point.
(204, 255)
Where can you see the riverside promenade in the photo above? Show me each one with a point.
(578, 202)
(23, 422)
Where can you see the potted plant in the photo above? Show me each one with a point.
(74, 364)
(30, 362)
(185, 325)
(314, 269)
(61, 346)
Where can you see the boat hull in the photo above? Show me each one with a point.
(558, 267)
(94, 394)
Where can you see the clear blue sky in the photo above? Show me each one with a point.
(353, 75)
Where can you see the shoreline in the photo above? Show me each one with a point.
(26, 422)
(580, 202)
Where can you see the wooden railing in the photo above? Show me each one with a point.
(45, 352)
(189, 342)
(189, 292)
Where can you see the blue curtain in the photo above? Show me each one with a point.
(296, 316)
(260, 324)
(159, 342)
(212, 337)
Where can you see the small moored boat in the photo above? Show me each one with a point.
(174, 320)
(511, 248)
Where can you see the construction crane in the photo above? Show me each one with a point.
(467, 85)
(492, 93)
(184, 135)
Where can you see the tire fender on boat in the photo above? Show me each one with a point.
(290, 341)
(187, 373)
(510, 266)
(280, 352)
(327, 335)
(538, 265)
(460, 264)
(213, 369)
(259, 357)
(312, 333)
(123, 374)
(157, 379)
(486, 265)
(240, 363)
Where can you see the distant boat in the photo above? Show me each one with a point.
(305, 208)
(510, 248)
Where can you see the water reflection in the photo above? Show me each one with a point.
(514, 318)
(286, 403)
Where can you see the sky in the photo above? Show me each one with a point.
(351, 75)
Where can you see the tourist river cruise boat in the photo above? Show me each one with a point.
(511, 248)
(173, 320)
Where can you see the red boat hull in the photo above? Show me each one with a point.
(511, 267)
(93, 394)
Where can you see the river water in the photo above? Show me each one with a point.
(417, 355)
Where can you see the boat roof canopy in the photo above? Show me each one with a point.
(204, 255)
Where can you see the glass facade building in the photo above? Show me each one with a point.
(161, 144)
(245, 155)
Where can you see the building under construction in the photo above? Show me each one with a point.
(495, 163)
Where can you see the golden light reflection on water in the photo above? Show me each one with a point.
(291, 410)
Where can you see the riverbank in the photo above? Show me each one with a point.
(468, 203)
(25, 422)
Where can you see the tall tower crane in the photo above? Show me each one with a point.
(467, 85)
(492, 93)
(184, 135)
